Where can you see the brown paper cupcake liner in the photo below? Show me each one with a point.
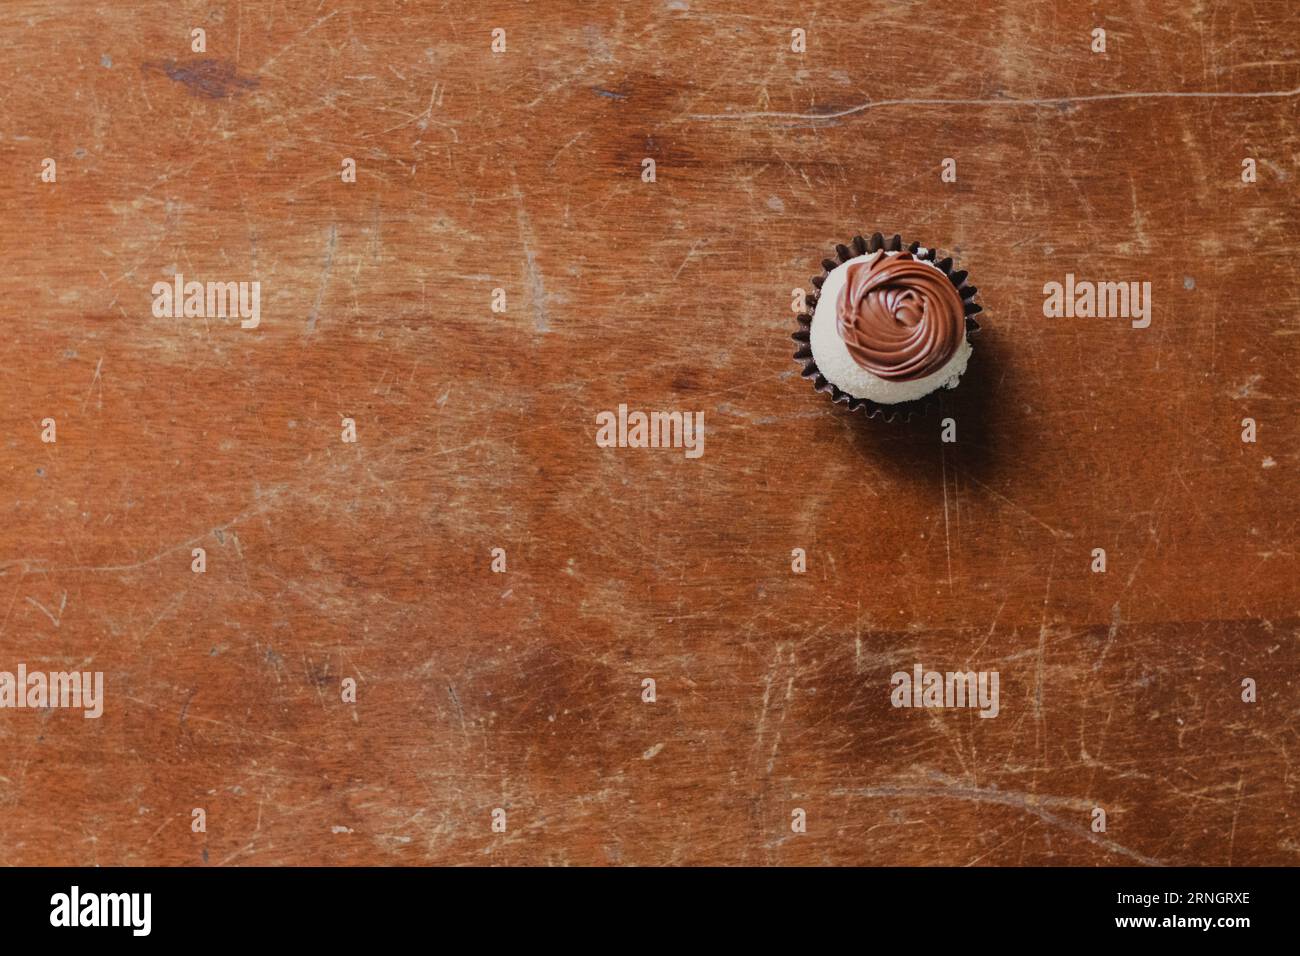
(903, 411)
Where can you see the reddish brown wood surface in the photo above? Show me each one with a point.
(522, 690)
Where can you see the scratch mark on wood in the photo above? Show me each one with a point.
(330, 243)
(1028, 802)
(1057, 101)
(532, 272)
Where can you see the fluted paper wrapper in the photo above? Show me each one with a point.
(902, 411)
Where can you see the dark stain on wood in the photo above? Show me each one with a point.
(210, 78)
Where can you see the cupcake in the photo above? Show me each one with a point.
(888, 326)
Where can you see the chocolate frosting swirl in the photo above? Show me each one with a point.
(900, 318)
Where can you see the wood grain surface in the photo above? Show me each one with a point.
(522, 690)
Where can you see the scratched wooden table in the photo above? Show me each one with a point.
(522, 691)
